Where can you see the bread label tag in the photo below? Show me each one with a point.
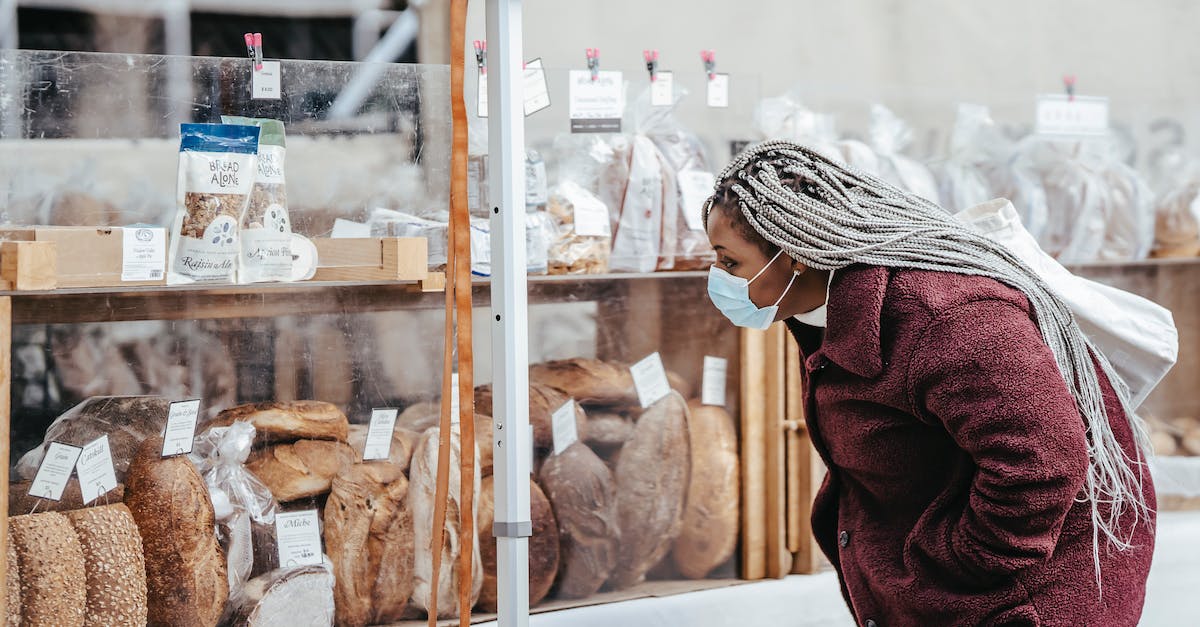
(298, 535)
(52, 475)
(563, 426)
(455, 403)
(481, 102)
(662, 90)
(718, 91)
(595, 106)
(379, 434)
(143, 254)
(695, 186)
(1058, 114)
(712, 390)
(537, 93)
(265, 83)
(181, 427)
(650, 379)
(95, 470)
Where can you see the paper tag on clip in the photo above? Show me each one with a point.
(712, 390)
(379, 434)
(298, 536)
(55, 471)
(143, 254)
(1058, 114)
(181, 427)
(596, 106)
(662, 90)
(537, 93)
(650, 379)
(564, 428)
(95, 470)
(718, 91)
(481, 102)
(265, 84)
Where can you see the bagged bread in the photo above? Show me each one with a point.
(652, 482)
(710, 519)
(637, 238)
(1177, 222)
(889, 137)
(288, 421)
(218, 164)
(583, 496)
(581, 244)
(287, 597)
(52, 574)
(302, 469)
(265, 226)
(114, 567)
(543, 545)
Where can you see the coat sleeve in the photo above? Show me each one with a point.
(984, 374)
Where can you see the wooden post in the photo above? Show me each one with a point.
(779, 560)
(795, 422)
(754, 489)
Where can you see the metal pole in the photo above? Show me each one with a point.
(510, 321)
(9, 34)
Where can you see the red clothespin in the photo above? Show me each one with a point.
(593, 62)
(481, 56)
(258, 52)
(249, 37)
(1069, 86)
(710, 62)
(651, 57)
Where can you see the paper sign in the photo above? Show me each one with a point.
(1059, 115)
(718, 90)
(95, 469)
(481, 103)
(662, 90)
(695, 187)
(265, 84)
(537, 93)
(591, 218)
(455, 405)
(379, 434)
(596, 106)
(52, 475)
(181, 427)
(298, 535)
(564, 428)
(144, 254)
(650, 379)
(712, 389)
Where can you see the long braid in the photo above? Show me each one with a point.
(829, 216)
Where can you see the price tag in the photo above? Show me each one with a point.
(712, 389)
(95, 469)
(481, 103)
(298, 535)
(1059, 115)
(265, 84)
(563, 425)
(662, 90)
(52, 475)
(537, 93)
(718, 91)
(143, 254)
(596, 106)
(379, 434)
(650, 379)
(181, 427)
(695, 186)
(455, 405)
(591, 218)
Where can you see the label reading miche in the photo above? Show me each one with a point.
(298, 536)
(379, 434)
(95, 469)
(718, 90)
(52, 475)
(266, 83)
(143, 254)
(712, 390)
(181, 427)
(662, 90)
(650, 379)
(563, 426)
(695, 186)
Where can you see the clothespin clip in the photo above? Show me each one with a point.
(258, 51)
(1069, 86)
(710, 62)
(249, 37)
(593, 62)
(651, 57)
(481, 56)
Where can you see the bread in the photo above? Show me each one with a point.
(50, 561)
(19, 501)
(1191, 440)
(422, 496)
(543, 402)
(583, 496)
(13, 582)
(288, 421)
(126, 420)
(403, 442)
(185, 571)
(485, 428)
(543, 545)
(606, 433)
(710, 518)
(652, 484)
(288, 597)
(595, 383)
(419, 416)
(301, 469)
(113, 565)
(1164, 443)
(392, 546)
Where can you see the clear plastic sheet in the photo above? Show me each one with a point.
(889, 137)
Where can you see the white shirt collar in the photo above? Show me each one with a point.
(816, 317)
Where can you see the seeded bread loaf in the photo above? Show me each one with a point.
(13, 583)
(543, 546)
(710, 518)
(288, 421)
(583, 497)
(300, 469)
(113, 564)
(50, 561)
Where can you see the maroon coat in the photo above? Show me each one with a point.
(956, 456)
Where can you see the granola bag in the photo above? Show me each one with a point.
(266, 228)
(217, 168)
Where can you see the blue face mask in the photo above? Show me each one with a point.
(731, 295)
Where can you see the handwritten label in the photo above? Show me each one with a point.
(52, 475)
(265, 83)
(596, 106)
(1059, 115)
(591, 217)
(563, 425)
(481, 102)
(298, 535)
(379, 433)
(718, 91)
(95, 469)
(712, 389)
(537, 93)
(181, 427)
(143, 254)
(662, 90)
(695, 186)
(650, 379)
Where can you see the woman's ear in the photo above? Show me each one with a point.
(798, 267)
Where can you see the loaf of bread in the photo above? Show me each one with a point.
(588, 381)
(19, 501)
(113, 565)
(13, 583)
(288, 421)
(583, 496)
(422, 495)
(606, 432)
(652, 484)
(543, 402)
(289, 597)
(50, 561)
(419, 416)
(300, 469)
(186, 582)
(392, 547)
(710, 518)
(403, 443)
(543, 545)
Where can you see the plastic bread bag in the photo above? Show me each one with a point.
(858, 155)
(598, 163)
(962, 182)
(218, 164)
(637, 238)
(889, 136)
(1177, 222)
(582, 238)
(266, 230)
(786, 117)
(389, 223)
(1013, 176)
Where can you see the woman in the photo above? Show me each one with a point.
(968, 483)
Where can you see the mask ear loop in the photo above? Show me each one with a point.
(764, 268)
(786, 289)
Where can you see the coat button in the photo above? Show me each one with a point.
(844, 539)
(871, 623)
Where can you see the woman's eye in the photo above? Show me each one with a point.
(728, 264)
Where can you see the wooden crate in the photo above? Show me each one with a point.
(28, 265)
(86, 256)
(372, 259)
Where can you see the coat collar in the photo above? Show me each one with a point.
(852, 334)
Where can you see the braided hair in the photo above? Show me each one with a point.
(828, 216)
